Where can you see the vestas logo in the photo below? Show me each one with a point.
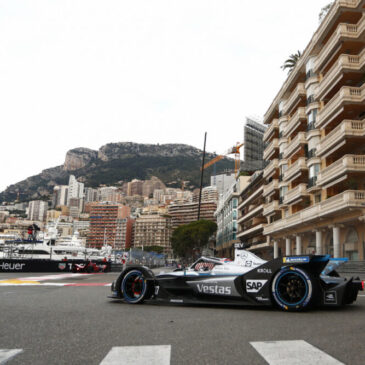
(214, 289)
(254, 286)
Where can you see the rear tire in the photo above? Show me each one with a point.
(133, 287)
(293, 289)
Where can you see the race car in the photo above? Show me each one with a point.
(292, 283)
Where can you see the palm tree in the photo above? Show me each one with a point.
(291, 61)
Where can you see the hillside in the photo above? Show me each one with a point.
(117, 162)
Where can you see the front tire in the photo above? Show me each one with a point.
(134, 287)
(293, 289)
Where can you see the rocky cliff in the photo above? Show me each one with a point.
(117, 162)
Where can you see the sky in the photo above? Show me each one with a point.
(84, 73)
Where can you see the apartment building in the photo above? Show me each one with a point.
(251, 220)
(124, 233)
(103, 224)
(153, 230)
(37, 210)
(316, 143)
(227, 217)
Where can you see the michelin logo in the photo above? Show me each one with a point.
(254, 286)
(295, 260)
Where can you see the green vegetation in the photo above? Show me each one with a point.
(156, 249)
(191, 236)
(291, 61)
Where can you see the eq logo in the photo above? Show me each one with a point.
(254, 286)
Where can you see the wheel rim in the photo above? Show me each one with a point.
(291, 288)
(133, 286)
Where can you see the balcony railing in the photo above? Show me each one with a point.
(346, 95)
(296, 193)
(271, 167)
(348, 128)
(295, 168)
(251, 197)
(299, 139)
(344, 63)
(271, 208)
(294, 121)
(250, 231)
(274, 125)
(347, 31)
(252, 213)
(270, 150)
(348, 163)
(348, 200)
(268, 189)
(298, 92)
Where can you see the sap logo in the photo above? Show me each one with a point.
(264, 271)
(254, 286)
(11, 266)
(214, 289)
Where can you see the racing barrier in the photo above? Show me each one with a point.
(41, 265)
(135, 256)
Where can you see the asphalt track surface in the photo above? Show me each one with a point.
(78, 324)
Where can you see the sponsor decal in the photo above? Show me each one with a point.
(176, 301)
(262, 299)
(62, 266)
(330, 297)
(157, 289)
(11, 266)
(248, 263)
(294, 260)
(213, 289)
(264, 271)
(254, 286)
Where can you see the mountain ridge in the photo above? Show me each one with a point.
(116, 162)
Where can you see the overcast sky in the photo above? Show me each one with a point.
(83, 73)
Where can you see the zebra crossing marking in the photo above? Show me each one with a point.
(8, 354)
(138, 355)
(297, 352)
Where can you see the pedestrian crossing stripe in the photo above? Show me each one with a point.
(6, 354)
(293, 352)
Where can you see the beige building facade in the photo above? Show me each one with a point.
(316, 144)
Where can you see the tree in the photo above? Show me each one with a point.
(324, 11)
(291, 61)
(157, 249)
(190, 236)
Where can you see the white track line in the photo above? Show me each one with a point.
(138, 355)
(293, 353)
(52, 277)
(6, 355)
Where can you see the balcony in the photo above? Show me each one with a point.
(271, 208)
(270, 149)
(344, 32)
(346, 95)
(345, 63)
(294, 122)
(295, 194)
(251, 231)
(337, 171)
(251, 197)
(337, 137)
(300, 139)
(271, 168)
(270, 188)
(252, 213)
(295, 169)
(348, 200)
(299, 92)
(270, 130)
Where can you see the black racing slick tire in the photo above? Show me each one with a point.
(133, 286)
(293, 289)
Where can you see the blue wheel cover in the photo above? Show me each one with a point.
(133, 273)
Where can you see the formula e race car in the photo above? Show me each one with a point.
(292, 283)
